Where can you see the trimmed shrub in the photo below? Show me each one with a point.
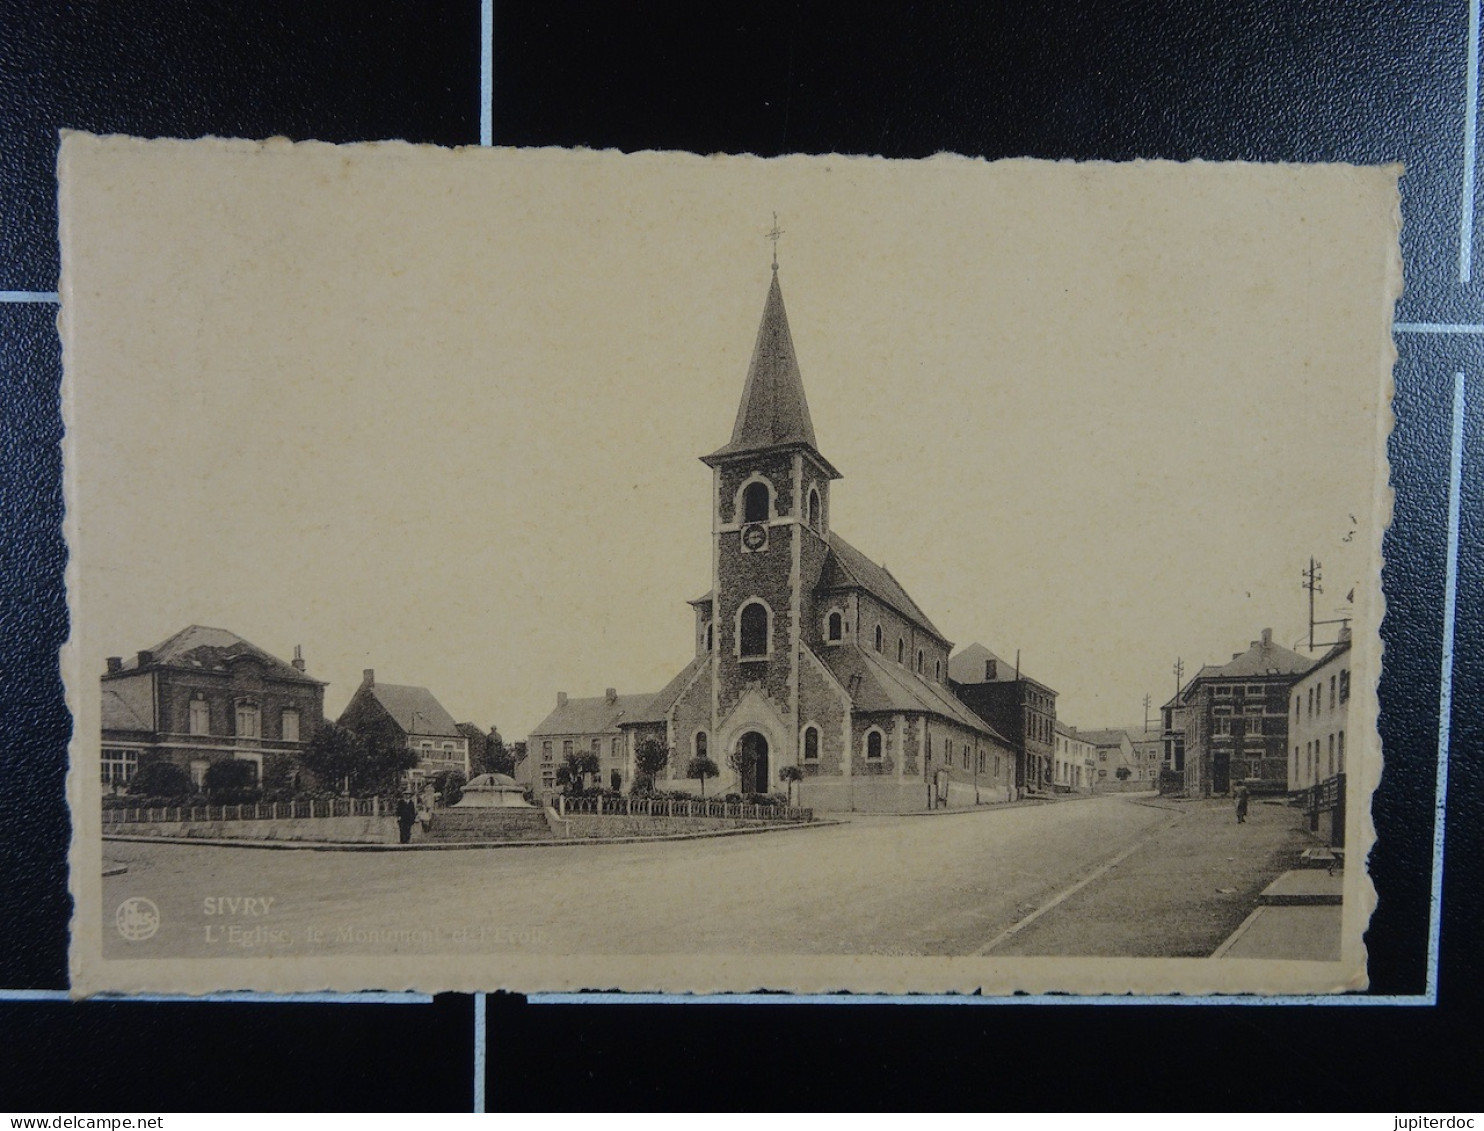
(158, 780)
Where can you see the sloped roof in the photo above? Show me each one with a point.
(658, 708)
(1262, 658)
(847, 568)
(774, 411)
(967, 666)
(119, 713)
(1108, 736)
(202, 648)
(415, 710)
(875, 684)
(594, 716)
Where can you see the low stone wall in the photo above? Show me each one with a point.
(330, 830)
(468, 825)
(867, 795)
(591, 825)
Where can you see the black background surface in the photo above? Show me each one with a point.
(1283, 80)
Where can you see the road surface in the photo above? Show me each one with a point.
(942, 884)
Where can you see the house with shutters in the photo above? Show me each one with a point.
(808, 652)
(201, 696)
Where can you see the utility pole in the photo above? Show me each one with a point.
(1179, 671)
(1146, 712)
(1312, 578)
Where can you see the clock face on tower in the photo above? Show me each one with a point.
(754, 537)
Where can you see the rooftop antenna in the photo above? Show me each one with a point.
(774, 233)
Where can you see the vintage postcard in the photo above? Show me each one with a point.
(557, 570)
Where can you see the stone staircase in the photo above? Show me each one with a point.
(468, 825)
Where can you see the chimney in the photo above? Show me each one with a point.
(146, 658)
(1267, 638)
(368, 677)
(298, 657)
(561, 698)
(610, 694)
(115, 663)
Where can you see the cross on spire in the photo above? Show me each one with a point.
(773, 234)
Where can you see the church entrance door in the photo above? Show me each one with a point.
(755, 763)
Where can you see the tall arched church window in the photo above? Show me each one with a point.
(811, 744)
(700, 744)
(873, 746)
(879, 638)
(938, 670)
(901, 650)
(755, 503)
(921, 661)
(814, 508)
(836, 626)
(754, 629)
(710, 637)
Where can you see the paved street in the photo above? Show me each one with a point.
(948, 884)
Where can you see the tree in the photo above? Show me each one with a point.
(449, 785)
(232, 781)
(703, 768)
(333, 755)
(362, 764)
(650, 758)
(160, 779)
(742, 761)
(788, 775)
(387, 757)
(1122, 773)
(478, 747)
(574, 770)
(499, 757)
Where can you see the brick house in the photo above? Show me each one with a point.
(411, 715)
(1013, 704)
(584, 726)
(1236, 720)
(202, 696)
(807, 653)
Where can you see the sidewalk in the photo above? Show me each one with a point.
(1182, 893)
(1298, 917)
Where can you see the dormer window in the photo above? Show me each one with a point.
(755, 500)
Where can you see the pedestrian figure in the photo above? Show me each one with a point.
(1241, 795)
(406, 815)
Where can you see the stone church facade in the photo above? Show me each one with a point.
(808, 653)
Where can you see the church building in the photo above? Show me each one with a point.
(808, 653)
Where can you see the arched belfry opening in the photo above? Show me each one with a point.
(755, 503)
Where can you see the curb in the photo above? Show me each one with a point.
(456, 846)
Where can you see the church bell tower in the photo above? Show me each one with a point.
(770, 527)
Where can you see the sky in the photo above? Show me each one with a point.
(438, 413)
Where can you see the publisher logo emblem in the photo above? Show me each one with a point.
(138, 919)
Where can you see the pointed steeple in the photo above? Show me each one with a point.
(774, 411)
